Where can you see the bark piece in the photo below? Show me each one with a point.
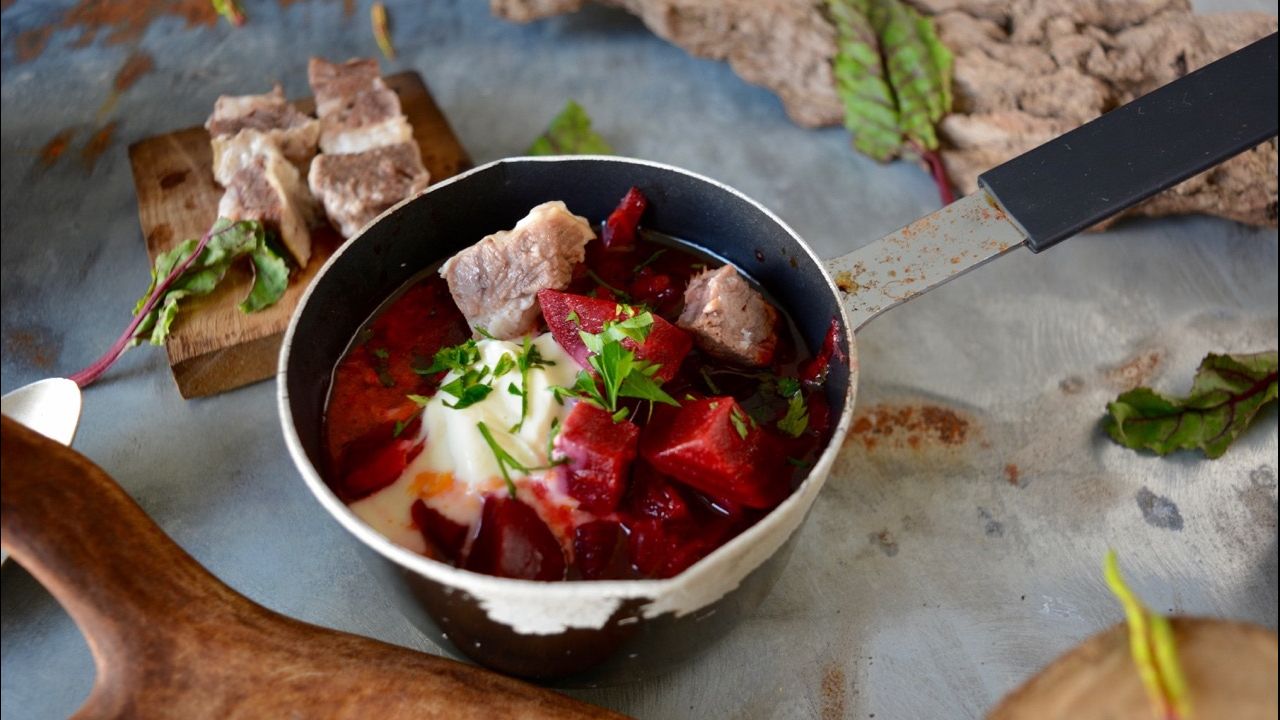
(1025, 71)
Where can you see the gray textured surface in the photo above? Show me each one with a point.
(925, 584)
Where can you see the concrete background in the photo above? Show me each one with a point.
(931, 578)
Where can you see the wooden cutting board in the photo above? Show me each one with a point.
(213, 346)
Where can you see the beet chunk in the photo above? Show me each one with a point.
(701, 445)
(599, 453)
(663, 549)
(376, 460)
(513, 542)
(439, 531)
(654, 496)
(566, 314)
(596, 547)
(620, 227)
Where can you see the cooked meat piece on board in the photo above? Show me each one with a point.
(495, 282)
(339, 140)
(728, 318)
(355, 188)
(233, 152)
(268, 188)
(268, 116)
(357, 110)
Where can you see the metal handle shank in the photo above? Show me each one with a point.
(1133, 152)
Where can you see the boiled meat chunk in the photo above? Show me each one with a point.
(357, 110)
(261, 119)
(356, 188)
(495, 282)
(266, 187)
(728, 318)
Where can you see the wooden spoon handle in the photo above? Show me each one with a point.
(72, 527)
(170, 640)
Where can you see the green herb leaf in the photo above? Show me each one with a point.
(469, 388)
(421, 400)
(503, 457)
(573, 317)
(739, 422)
(228, 242)
(796, 421)
(506, 364)
(788, 387)
(618, 372)
(1227, 393)
(457, 357)
(530, 358)
(641, 386)
(570, 133)
(893, 75)
(1152, 646)
(619, 292)
(649, 260)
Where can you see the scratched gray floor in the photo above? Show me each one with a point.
(925, 584)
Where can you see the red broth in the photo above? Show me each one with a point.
(661, 526)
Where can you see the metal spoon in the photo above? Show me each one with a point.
(51, 407)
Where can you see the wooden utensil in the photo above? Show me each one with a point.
(215, 347)
(1230, 668)
(170, 640)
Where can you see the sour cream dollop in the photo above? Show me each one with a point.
(457, 466)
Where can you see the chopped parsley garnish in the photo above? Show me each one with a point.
(503, 457)
(456, 357)
(421, 400)
(551, 438)
(381, 353)
(739, 422)
(530, 358)
(622, 294)
(650, 260)
(506, 364)
(573, 317)
(711, 384)
(618, 372)
(469, 388)
(796, 421)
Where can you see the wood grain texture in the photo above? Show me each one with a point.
(1230, 669)
(214, 347)
(172, 641)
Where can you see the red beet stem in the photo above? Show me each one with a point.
(87, 376)
(939, 173)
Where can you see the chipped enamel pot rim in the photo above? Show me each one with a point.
(547, 608)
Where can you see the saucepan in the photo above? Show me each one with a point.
(596, 632)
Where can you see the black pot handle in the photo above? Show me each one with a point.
(1133, 152)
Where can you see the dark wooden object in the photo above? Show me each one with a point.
(214, 347)
(170, 640)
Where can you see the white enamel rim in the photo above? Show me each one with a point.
(539, 608)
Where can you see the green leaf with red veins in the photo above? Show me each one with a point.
(1227, 393)
(228, 241)
(893, 74)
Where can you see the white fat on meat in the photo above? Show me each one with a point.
(728, 318)
(266, 187)
(357, 110)
(267, 117)
(495, 282)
